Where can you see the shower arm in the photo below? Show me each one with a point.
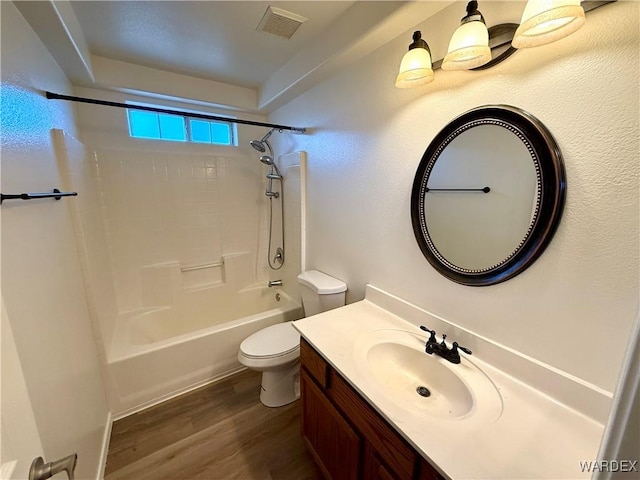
(266, 142)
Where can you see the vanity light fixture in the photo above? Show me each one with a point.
(545, 21)
(469, 45)
(415, 68)
(474, 47)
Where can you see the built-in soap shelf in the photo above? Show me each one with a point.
(202, 266)
(204, 275)
(162, 284)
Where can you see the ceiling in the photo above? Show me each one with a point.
(215, 40)
(209, 52)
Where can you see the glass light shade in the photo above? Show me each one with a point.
(468, 48)
(545, 21)
(415, 69)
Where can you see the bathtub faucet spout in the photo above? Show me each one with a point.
(275, 283)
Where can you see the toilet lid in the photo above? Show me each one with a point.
(272, 341)
(321, 282)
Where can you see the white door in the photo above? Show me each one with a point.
(20, 442)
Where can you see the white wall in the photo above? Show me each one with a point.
(41, 277)
(574, 307)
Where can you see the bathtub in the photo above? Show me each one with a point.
(163, 352)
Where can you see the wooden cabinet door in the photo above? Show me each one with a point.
(334, 444)
(374, 468)
(427, 472)
(399, 457)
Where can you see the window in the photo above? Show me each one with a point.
(179, 128)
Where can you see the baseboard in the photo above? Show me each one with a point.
(177, 393)
(105, 447)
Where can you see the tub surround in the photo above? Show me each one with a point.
(550, 421)
(150, 361)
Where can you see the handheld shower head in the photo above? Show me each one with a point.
(262, 144)
(267, 160)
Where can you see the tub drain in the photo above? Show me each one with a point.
(423, 391)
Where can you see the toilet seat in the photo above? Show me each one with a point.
(272, 342)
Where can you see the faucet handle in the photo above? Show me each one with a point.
(432, 337)
(464, 349)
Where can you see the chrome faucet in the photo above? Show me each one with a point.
(275, 283)
(450, 354)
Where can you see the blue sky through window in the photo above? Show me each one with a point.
(178, 128)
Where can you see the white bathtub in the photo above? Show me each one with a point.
(163, 352)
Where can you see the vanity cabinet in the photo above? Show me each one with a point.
(346, 436)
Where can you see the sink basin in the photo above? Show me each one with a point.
(397, 368)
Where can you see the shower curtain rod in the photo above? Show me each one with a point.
(56, 96)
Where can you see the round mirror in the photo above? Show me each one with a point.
(488, 195)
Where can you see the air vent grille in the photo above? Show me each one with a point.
(280, 23)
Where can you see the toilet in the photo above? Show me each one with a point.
(275, 350)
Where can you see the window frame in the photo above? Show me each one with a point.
(186, 122)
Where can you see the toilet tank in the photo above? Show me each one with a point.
(320, 292)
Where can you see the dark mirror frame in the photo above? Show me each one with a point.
(551, 188)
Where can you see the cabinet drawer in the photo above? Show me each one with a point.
(398, 455)
(314, 363)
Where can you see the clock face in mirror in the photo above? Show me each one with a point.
(488, 195)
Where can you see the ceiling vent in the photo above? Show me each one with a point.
(280, 23)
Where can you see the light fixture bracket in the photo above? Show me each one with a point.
(500, 37)
(473, 14)
(418, 42)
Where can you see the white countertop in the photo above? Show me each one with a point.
(537, 436)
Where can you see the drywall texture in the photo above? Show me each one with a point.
(574, 307)
(41, 275)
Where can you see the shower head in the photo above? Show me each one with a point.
(258, 145)
(262, 144)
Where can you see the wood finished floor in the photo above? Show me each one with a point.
(218, 432)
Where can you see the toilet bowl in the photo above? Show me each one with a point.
(275, 350)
